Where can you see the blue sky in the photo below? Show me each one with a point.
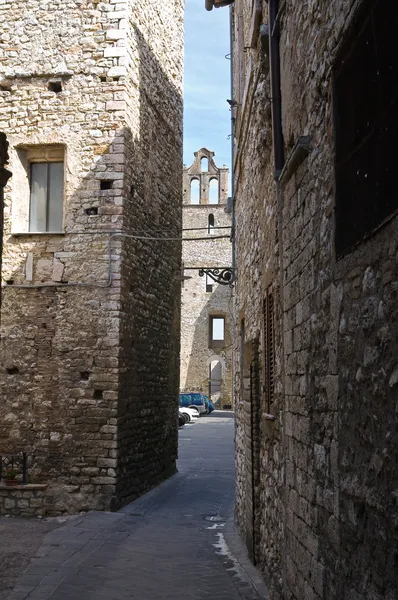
(207, 119)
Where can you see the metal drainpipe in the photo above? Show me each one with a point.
(276, 104)
(232, 144)
(279, 159)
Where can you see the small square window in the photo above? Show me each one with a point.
(55, 86)
(217, 331)
(106, 184)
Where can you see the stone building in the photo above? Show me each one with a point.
(207, 306)
(91, 100)
(315, 107)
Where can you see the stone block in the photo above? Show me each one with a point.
(9, 503)
(117, 72)
(107, 462)
(104, 480)
(115, 51)
(116, 105)
(116, 34)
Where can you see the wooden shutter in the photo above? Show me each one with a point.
(269, 347)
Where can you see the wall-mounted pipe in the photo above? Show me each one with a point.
(233, 231)
(276, 103)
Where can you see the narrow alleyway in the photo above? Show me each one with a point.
(168, 545)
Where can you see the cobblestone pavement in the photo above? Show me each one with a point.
(167, 545)
(19, 541)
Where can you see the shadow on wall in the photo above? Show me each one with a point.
(4, 177)
(205, 358)
(77, 359)
(150, 330)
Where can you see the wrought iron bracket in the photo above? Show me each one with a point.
(221, 275)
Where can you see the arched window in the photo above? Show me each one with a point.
(195, 191)
(204, 164)
(213, 191)
(210, 228)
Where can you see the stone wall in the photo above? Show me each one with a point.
(324, 495)
(23, 500)
(199, 302)
(88, 314)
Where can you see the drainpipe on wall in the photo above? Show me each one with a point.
(276, 103)
(4, 177)
(279, 160)
(232, 145)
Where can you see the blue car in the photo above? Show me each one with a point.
(193, 400)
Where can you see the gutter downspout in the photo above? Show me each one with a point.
(233, 230)
(232, 145)
(276, 103)
(279, 160)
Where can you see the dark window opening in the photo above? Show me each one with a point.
(5, 87)
(269, 347)
(216, 331)
(55, 86)
(103, 79)
(106, 184)
(12, 370)
(10, 282)
(84, 375)
(98, 394)
(93, 210)
(366, 124)
(211, 224)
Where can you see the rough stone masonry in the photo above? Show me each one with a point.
(91, 100)
(316, 297)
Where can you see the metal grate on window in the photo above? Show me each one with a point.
(269, 347)
(366, 124)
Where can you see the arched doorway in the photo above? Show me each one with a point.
(216, 367)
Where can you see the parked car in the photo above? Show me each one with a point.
(181, 419)
(192, 413)
(209, 404)
(193, 400)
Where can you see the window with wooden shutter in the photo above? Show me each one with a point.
(269, 347)
(366, 124)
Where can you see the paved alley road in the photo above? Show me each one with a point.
(167, 545)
